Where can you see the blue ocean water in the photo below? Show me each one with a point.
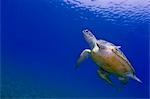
(42, 39)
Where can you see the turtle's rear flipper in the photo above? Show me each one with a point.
(83, 56)
(104, 75)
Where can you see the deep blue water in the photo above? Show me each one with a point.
(42, 39)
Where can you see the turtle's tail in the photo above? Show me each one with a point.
(134, 77)
(89, 37)
(137, 79)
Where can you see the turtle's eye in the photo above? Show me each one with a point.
(86, 31)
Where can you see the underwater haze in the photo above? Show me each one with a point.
(41, 41)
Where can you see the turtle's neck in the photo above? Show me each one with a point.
(92, 42)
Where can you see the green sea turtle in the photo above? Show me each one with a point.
(109, 58)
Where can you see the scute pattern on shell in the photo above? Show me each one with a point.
(110, 45)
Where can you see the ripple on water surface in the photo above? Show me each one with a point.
(127, 11)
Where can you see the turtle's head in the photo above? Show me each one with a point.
(89, 37)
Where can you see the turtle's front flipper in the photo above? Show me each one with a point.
(104, 75)
(83, 56)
